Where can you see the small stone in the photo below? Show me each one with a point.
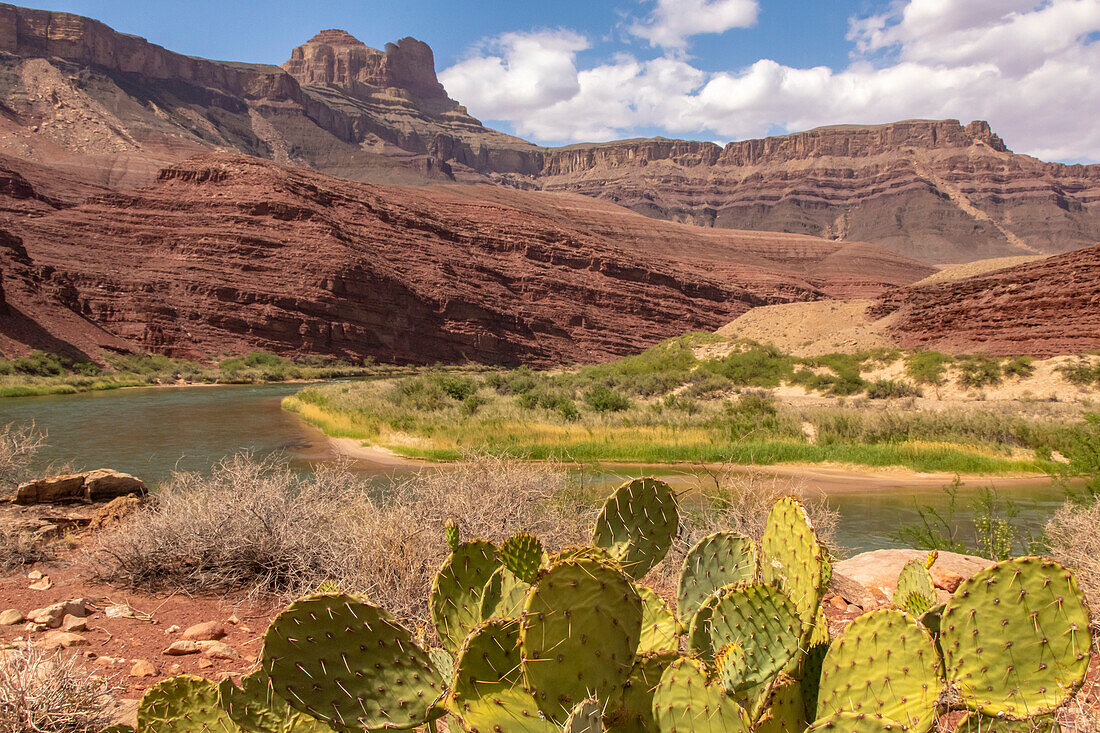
(838, 603)
(120, 610)
(73, 623)
(62, 640)
(233, 620)
(854, 609)
(182, 647)
(143, 668)
(946, 580)
(11, 617)
(208, 631)
(35, 575)
(35, 628)
(176, 668)
(42, 584)
(173, 629)
(205, 664)
(218, 650)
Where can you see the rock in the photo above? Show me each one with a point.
(233, 620)
(945, 579)
(878, 571)
(205, 664)
(106, 484)
(119, 610)
(114, 512)
(182, 648)
(67, 487)
(206, 631)
(143, 668)
(838, 603)
(43, 584)
(218, 650)
(11, 617)
(74, 623)
(62, 640)
(53, 616)
(173, 629)
(35, 575)
(854, 593)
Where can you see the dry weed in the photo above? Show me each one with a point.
(18, 548)
(42, 692)
(1073, 541)
(19, 446)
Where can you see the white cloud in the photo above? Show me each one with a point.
(672, 22)
(1027, 66)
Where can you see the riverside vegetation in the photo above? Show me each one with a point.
(675, 403)
(536, 641)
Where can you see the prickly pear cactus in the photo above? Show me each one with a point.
(883, 665)
(717, 560)
(119, 728)
(450, 531)
(978, 723)
(256, 708)
(457, 591)
(522, 554)
(784, 711)
(764, 622)
(660, 629)
(637, 525)
(573, 552)
(1016, 638)
(812, 662)
(685, 701)
(729, 662)
(579, 631)
(915, 592)
(443, 661)
(698, 633)
(635, 712)
(184, 704)
(504, 595)
(488, 692)
(587, 717)
(349, 664)
(792, 557)
(857, 723)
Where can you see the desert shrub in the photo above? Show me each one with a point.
(978, 371)
(42, 692)
(264, 359)
(18, 548)
(517, 381)
(703, 383)
(1020, 367)
(19, 446)
(1072, 540)
(926, 367)
(456, 387)
(417, 393)
(656, 370)
(602, 398)
(756, 366)
(889, 389)
(471, 405)
(39, 364)
(232, 365)
(1082, 373)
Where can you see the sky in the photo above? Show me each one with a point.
(591, 70)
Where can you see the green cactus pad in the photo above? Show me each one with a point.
(792, 557)
(184, 704)
(812, 662)
(452, 534)
(443, 661)
(573, 552)
(635, 712)
(716, 561)
(698, 633)
(884, 665)
(685, 702)
(349, 664)
(764, 622)
(504, 595)
(587, 717)
(580, 629)
(637, 525)
(488, 693)
(1016, 638)
(522, 554)
(729, 662)
(784, 712)
(660, 629)
(915, 592)
(256, 708)
(858, 723)
(119, 728)
(978, 723)
(458, 589)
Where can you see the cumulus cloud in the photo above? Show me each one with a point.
(1027, 66)
(672, 22)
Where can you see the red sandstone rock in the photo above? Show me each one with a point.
(1042, 308)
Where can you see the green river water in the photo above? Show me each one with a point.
(151, 432)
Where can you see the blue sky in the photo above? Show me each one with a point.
(573, 70)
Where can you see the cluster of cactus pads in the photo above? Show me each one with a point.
(533, 642)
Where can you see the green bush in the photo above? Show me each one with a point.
(1082, 373)
(39, 364)
(456, 387)
(602, 398)
(518, 381)
(757, 366)
(704, 383)
(926, 367)
(264, 359)
(1019, 366)
(978, 371)
(888, 389)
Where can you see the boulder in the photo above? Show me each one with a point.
(207, 631)
(69, 487)
(878, 571)
(218, 650)
(11, 617)
(182, 648)
(106, 484)
(143, 668)
(62, 640)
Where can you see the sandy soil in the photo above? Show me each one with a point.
(812, 328)
(978, 267)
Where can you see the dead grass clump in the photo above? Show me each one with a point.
(259, 526)
(18, 548)
(1074, 542)
(19, 445)
(51, 692)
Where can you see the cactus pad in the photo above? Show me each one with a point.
(349, 664)
(883, 666)
(978, 723)
(764, 622)
(716, 561)
(729, 661)
(504, 595)
(450, 531)
(792, 557)
(784, 712)
(457, 591)
(256, 708)
(445, 663)
(184, 704)
(698, 633)
(579, 632)
(858, 723)
(684, 701)
(816, 646)
(915, 592)
(660, 629)
(637, 525)
(1016, 638)
(635, 712)
(587, 717)
(488, 690)
(522, 554)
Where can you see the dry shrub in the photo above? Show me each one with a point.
(259, 526)
(18, 548)
(1074, 542)
(19, 446)
(51, 692)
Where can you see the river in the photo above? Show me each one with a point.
(152, 432)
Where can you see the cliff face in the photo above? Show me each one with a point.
(1042, 308)
(229, 253)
